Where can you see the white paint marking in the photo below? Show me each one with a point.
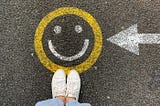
(129, 39)
(57, 29)
(32, 54)
(95, 67)
(78, 29)
(64, 58)
(108, 97)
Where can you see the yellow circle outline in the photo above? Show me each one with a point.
(64, 11)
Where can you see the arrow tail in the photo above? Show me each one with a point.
(149, 38)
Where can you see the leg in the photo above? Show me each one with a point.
(50, 102)
(76, 103)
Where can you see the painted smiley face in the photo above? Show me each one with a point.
(44, 34)
(68, 40)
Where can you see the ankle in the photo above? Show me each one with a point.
(62, 98)
(68, 99)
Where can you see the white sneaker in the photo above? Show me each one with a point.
(59, 83)
(73, 85)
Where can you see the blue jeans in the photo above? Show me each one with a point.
(57, 102)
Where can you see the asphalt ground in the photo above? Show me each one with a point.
(118, 78)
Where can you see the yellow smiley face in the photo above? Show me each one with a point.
(49, 64)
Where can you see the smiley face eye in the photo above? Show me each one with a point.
(78, 29)
(57, 29)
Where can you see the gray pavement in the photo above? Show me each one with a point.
(118, 78)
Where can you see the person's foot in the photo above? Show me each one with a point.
(73, 85)
(59, 84)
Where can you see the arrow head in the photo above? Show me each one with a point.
(127, 39)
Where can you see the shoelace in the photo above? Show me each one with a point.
(58, 88)
(72, 88)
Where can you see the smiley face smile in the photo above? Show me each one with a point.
(71, 58)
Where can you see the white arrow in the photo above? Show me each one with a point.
(130, 39)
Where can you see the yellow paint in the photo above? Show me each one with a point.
(64, 11)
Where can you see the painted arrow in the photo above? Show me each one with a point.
(130, 39)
